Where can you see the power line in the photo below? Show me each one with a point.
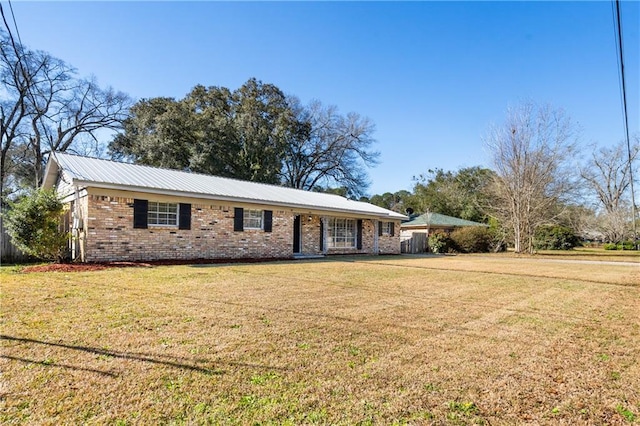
(13, 44)
(626, 115)
(614, 27)
(15, 24)
(6, 24)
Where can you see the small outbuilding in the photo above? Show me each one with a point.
(415, 232)
(125, 212)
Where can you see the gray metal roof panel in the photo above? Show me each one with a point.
(102, 172)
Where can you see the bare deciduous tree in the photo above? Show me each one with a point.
(329, 149)
(607, 176)
(44, 107)
(531, 153)
(615, 226)
(25, 77)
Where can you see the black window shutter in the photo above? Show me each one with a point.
(238, 219)
(380, 226)
(268, 220)
(393, 229)
(359, 238)
(321, 235)
(140, 209)
(184, 221)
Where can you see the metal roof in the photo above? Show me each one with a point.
(94, 172)
(438, 220)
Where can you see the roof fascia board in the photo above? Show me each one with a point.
(49, 180)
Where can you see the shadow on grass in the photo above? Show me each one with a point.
(122, 355)
(54, 364)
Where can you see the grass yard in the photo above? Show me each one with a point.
(362, 340)
(585, 253)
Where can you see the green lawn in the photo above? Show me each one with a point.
(361, 340)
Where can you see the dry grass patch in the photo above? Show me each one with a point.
(585, 253)
(404, 340)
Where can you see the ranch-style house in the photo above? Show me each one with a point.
(125, 212)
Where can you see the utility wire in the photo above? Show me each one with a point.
(20, 56)
(18, 52)
(15, 24)
(6, 24)
(626, 118)
(614, 27)
(13, 42)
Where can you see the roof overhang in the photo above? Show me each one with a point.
(349, 208)
(50, 173)
(157, 191)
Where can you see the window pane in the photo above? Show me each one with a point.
(162, 213)
(253, 219)
(341, 233)
(386, 228)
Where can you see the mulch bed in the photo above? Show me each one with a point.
(80, 267)
(98, 266)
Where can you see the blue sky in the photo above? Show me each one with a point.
(433, 76)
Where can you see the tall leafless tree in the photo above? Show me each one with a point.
(45, 107)
(607, 175)
(24, 77)
(328, 149)
(531, 153)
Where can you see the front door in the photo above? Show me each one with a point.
(296, 234)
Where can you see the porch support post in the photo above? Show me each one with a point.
(325, 224)
(376, 225)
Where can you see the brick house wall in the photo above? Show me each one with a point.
(390, 244)
(107, 232)
(310, 234)
(110, 234)
(387, 244)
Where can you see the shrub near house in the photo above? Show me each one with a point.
(33, 223)
(552, 237)
(473, 240)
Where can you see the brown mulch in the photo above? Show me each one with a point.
(80, 267)
(98, 266)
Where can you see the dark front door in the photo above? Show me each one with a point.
(296, 234)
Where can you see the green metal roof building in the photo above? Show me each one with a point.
(437, 220)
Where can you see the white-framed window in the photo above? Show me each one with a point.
(163, 214)
(252, 219)
(386, 228)
(341, 233)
